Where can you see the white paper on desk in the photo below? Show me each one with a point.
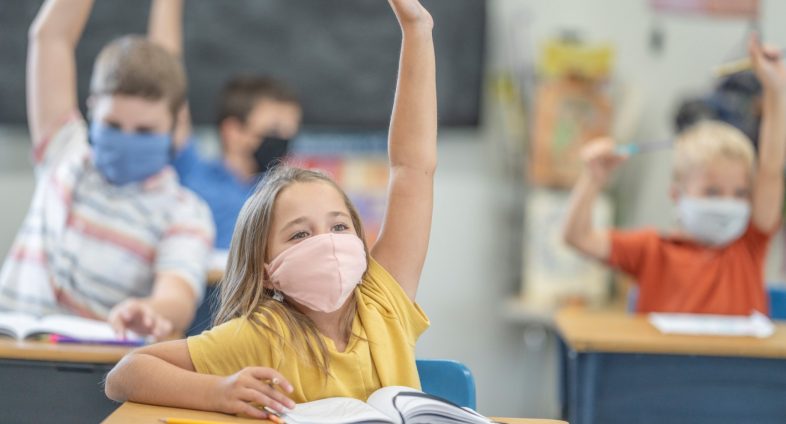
(755, 325)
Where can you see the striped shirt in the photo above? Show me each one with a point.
(86, 245)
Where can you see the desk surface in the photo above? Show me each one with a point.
(135, 413)
(41, 351)
(214, 276)
(615, 331)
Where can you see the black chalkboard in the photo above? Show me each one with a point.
(340, 55)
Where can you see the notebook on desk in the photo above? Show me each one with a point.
(68, 328)
(755, 325)
(388, 405)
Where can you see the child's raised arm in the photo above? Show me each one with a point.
(51, 65)
(165, 28)
(579, 232)
(768, 185)
(412, 146)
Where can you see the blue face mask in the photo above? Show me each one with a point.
(124, 158)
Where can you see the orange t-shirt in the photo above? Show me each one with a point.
(676, 275)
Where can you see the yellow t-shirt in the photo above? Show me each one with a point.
(388, 323)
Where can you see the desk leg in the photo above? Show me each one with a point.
(580, 385)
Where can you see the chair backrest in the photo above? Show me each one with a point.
(448, 379)
(777, 302)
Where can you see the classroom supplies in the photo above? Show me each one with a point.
(735, 66)
(188, 421)
(756, 325)
(56, 338)
(25, 326)
(274, 416)
(570, 112)
(648, 147)
(388, 405)
(562, 57)
(553, 274)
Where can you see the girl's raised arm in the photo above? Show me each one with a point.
(412, 147)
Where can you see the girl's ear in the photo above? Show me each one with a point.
(266, 277)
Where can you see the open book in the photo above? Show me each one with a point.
(77, 329)
(388, 405)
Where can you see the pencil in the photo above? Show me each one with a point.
(189, 421)
(735, 67)
(274, 416)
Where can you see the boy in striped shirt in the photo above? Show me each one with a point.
(110, 234)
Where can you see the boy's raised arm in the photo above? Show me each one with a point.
(403, 240)
(768, 184)
(165, 25)
(165, 28)
(600, 159)
(51, 65)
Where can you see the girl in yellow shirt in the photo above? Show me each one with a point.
(307, 311)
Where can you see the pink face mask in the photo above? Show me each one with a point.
(320, 272)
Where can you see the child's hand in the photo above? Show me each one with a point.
(411, 13)
(138, 316)
(240, 392)
(768, 65)
(601, 158)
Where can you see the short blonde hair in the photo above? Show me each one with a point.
(707, 141)
(135, 66)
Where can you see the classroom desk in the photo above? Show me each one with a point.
(214, 277)
(135, 413)
(43, 382)
(617, 368)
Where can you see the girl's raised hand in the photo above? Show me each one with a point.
(411, 12)
(250, 389)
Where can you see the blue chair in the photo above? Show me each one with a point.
(777, 302)
(450, 380)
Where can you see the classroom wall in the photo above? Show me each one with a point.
(467, 275)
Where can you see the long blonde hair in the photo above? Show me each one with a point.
(242, 292)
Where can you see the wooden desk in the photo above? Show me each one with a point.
(617, 368)
(135, 413)
(611, 331)
(43, 382)
(214, 276)
(37, 351)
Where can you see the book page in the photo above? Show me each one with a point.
(756, 325)
(416, 409)
(14, 324)
(335, 411)
(73, 326)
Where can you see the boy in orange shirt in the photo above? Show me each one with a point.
(728, 208)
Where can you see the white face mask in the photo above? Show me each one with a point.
(716, 222)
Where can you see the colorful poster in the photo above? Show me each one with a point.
(554, 274)
(568, 113)
(363, 177)
(746, 9)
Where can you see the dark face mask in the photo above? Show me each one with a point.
(272, 150)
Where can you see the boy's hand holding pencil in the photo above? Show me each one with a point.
(600, 158)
